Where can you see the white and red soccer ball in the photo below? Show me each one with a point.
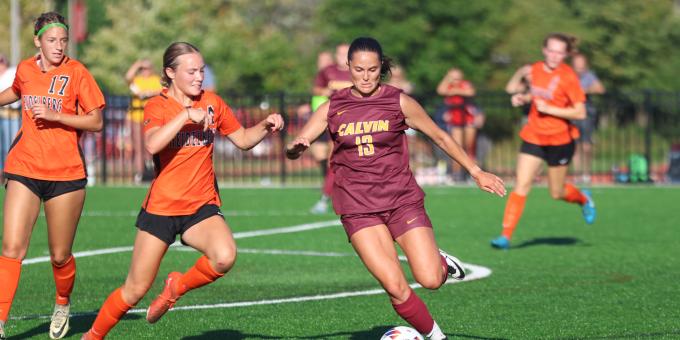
(401, 333)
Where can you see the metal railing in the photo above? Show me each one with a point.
(640, 122)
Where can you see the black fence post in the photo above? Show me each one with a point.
(282, 136)
(649, 112)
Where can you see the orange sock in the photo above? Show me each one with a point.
(513, 211)
(111, 312)
(573, 195)
(64, 277)
(197, 276)
(10, 270)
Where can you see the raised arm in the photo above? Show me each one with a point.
(417, 118)
(516, 83)
(310, 132)
(132, 71)
(246, 139)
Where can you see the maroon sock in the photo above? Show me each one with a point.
(446, 269)
(415, 313)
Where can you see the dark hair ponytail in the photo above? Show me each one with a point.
(371, 45)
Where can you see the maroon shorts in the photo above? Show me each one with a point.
(398, 220)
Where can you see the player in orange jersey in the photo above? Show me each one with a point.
(60, 100)
(556, 97)
(180, 127)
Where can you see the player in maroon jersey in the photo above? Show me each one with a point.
(374, 190)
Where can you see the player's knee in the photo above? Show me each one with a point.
(431, 281)
(60, 258)
(13, 251)
(224, 259)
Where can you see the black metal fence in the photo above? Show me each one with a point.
(645, 123)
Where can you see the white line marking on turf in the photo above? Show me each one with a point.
(239, 235)
(476, 272)
(247, 213)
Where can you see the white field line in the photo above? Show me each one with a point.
(232, 213)
(475, 272)
(239, 235)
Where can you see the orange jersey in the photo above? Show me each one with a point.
(51, 152)
(185, 177)
(558, 88)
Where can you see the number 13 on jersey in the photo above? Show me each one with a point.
(365, 145)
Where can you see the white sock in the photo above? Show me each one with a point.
(436, 333)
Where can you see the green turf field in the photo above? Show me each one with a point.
(617, 279)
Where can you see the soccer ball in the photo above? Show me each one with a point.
(401, 333)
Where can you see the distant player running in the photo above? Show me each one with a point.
(180, 128)
(374, 190)
(60, 100)
(555, 97)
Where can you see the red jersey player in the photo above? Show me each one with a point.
(374, 190)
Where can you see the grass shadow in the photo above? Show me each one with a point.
(551, 241)
(378, 331)
(227, 334)
(78, 324)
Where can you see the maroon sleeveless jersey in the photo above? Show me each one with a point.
(370, 153)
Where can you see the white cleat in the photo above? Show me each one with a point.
(59, 325)
(454, 266)
(2, 331)
(321, 207)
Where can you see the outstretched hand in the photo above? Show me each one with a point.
(274, 122)
(489, 183)
(297, 147)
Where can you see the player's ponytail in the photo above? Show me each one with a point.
(570, 40)
(371, 45)
(170, 56)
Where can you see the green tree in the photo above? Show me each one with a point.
(245, 52)
(426, 37)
